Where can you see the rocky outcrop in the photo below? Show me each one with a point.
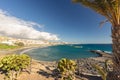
(101, 53)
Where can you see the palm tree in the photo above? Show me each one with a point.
(111, 10)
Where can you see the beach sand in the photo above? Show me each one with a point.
(40, 70)
(44, 70)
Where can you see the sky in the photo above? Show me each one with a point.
(57, 20)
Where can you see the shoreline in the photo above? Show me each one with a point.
(49, 66)
(101, 54)
(25, 49)
(19, 50)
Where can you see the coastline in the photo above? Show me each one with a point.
(36, 66)
(28, 48)
(47, 67)
(25, 49)
(19, 50)
(103, 56)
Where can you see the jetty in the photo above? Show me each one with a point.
(101, 53)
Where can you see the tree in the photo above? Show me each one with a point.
(111, 10)
(20, 44)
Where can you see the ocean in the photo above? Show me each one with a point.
(71, 51)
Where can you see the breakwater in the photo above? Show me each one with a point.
(101, 53)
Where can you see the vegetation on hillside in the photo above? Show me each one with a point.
(19, 44)
(6, 46)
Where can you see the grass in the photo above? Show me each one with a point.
(5, 46)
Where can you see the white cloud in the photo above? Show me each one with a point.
(18, 28)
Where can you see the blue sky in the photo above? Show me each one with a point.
(68, 21)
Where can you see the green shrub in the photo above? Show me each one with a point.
(103, 71)
(20, 44)
(67, 69)
(12, 65)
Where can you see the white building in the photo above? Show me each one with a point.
(7, 42)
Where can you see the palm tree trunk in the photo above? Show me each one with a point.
(115, 74)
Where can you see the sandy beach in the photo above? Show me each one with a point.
(45, 70)
(36, 66)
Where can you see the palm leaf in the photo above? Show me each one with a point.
(108, 8)
(103, 22)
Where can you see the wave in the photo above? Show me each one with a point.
(26, 50)
(105, 51)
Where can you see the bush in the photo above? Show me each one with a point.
(20, 44)
(67, 69)
(12, 65)
(103, 71)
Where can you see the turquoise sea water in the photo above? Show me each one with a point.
(76, 51)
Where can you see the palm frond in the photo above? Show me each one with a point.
(108, 8)
(103, 22)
